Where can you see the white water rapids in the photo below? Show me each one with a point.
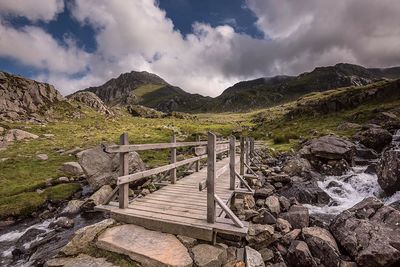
(349, 189)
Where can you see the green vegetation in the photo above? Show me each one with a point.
(21, 173)
(146, 89)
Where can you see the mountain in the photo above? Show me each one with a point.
(149, 90)
(25, 99)
(266, 92)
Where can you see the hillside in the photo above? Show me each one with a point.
(265, 92)
(147, 89)
(25, 99)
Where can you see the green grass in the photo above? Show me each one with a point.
(146, 89)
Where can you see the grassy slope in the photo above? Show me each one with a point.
(22, 173)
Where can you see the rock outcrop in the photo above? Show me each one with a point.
(144, 112)
(102, 168)
(370, 233)
(375, 137)
(23, 99)
(91, 100)
(388, 171)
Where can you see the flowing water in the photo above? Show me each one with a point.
(349, 189)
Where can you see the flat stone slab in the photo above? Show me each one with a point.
(149, 248)
(82, 260)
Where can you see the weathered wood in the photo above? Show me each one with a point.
(111, 196)
(252, 147)
(136, 176)
(201, 150)
(251, 170)
(243, 182)
(247, 149)
(124, 170)
(232, 163)
(211, 173)
(173, 160)
(198, 162)
(218, 173)
(228, 211)
(141, 147)
(242, 153)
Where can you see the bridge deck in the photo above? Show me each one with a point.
(181, 208)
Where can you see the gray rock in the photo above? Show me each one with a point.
(21, 98)
(253, 258)
(370, 233)
(264, 217)
(260, 235)
(322, 245)
(91, 100)
(187, 241)
(283, 225)
(388, 171)
(73, 207)
(306, 193)
(289, 237)
(296, 166)
(205, 255)
(272, 202)
(63, 179)
(263, 192)
(375, 138)
(85, 236)
(82, 260)
(98, 198)
(42, 157)
(71, 168)
(266, 254)
(298, 216)
(300, 255)
(62, 222)
(101, 168)
(285, 203)
(18, 135)
(149, 248)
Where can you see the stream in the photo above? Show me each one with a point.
(349, 189)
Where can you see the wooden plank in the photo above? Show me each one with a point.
(224, 225)
(242, 152)
(124, 170)
(228, 212)
(176, 204)
(211, 173)
(243, 182)
(198, 162)
(178, 214)
(139, 175)
(251, 170)
(218, 173)
(111, 196)
(141, 147)
(173, 160)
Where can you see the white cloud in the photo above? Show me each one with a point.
(34, 47)
(137, 35)
(32, 9)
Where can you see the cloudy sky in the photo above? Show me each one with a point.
(202, 46)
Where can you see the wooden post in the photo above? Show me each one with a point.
(173, 160)
(242, 148)
(124, 170)
(252, 147)
(232, 154)
(211, 173)
(247, 148)
(198, 162)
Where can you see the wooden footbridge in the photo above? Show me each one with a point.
(196, 205)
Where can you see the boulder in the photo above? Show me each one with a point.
(322, 245)
(328, 147)
(260, 235)
(388, 171)
(346, 126)
(300, 255)
(62, 222)
(187, 241)
(98, 198)
(73, 207)
(272, 202)
(84, 237)
(144, 112)
(266, 254)
(205, 255)
(101, 168)
(375, 138)
(263, 192)
(306, 193)
(283, 226)
(296, 166)
(42, 157)
(82, 260)
(387, 120)
(264, 217)
(18, 135)
(298, 216)
(91, 100)
(253, 258)
(370, 233)
(149, 248)
(71, 168)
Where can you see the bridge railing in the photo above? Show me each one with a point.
(209, 149)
